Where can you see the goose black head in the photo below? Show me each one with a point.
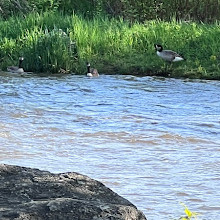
(158, 47)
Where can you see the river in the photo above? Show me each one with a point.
(154, 141)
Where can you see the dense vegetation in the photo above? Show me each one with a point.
(138, 10)
(113, 36)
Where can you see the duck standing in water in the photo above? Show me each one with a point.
(16, 69)
(167, 55)
(91, 72)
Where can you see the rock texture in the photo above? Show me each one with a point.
(31, 194)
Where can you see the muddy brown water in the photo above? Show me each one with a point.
(154, 141)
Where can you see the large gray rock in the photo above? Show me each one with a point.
(31, 194)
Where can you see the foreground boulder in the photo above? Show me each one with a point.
(31, 194)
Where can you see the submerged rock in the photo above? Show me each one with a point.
(31, 194)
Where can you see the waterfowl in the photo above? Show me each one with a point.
(167, 55)
(16, 69)
(91, 72)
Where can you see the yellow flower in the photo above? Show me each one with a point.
(189, 214)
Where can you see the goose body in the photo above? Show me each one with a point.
(167, 55)
(91, 72)
(16, 69)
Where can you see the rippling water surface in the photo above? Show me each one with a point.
(154, 141)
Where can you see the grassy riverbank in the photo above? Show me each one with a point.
(52, 41)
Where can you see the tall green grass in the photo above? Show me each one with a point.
(51, 41)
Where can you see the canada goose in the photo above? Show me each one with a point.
(16, 69)
(91, 72)
(167, 55)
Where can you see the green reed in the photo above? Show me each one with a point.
(52, 41)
